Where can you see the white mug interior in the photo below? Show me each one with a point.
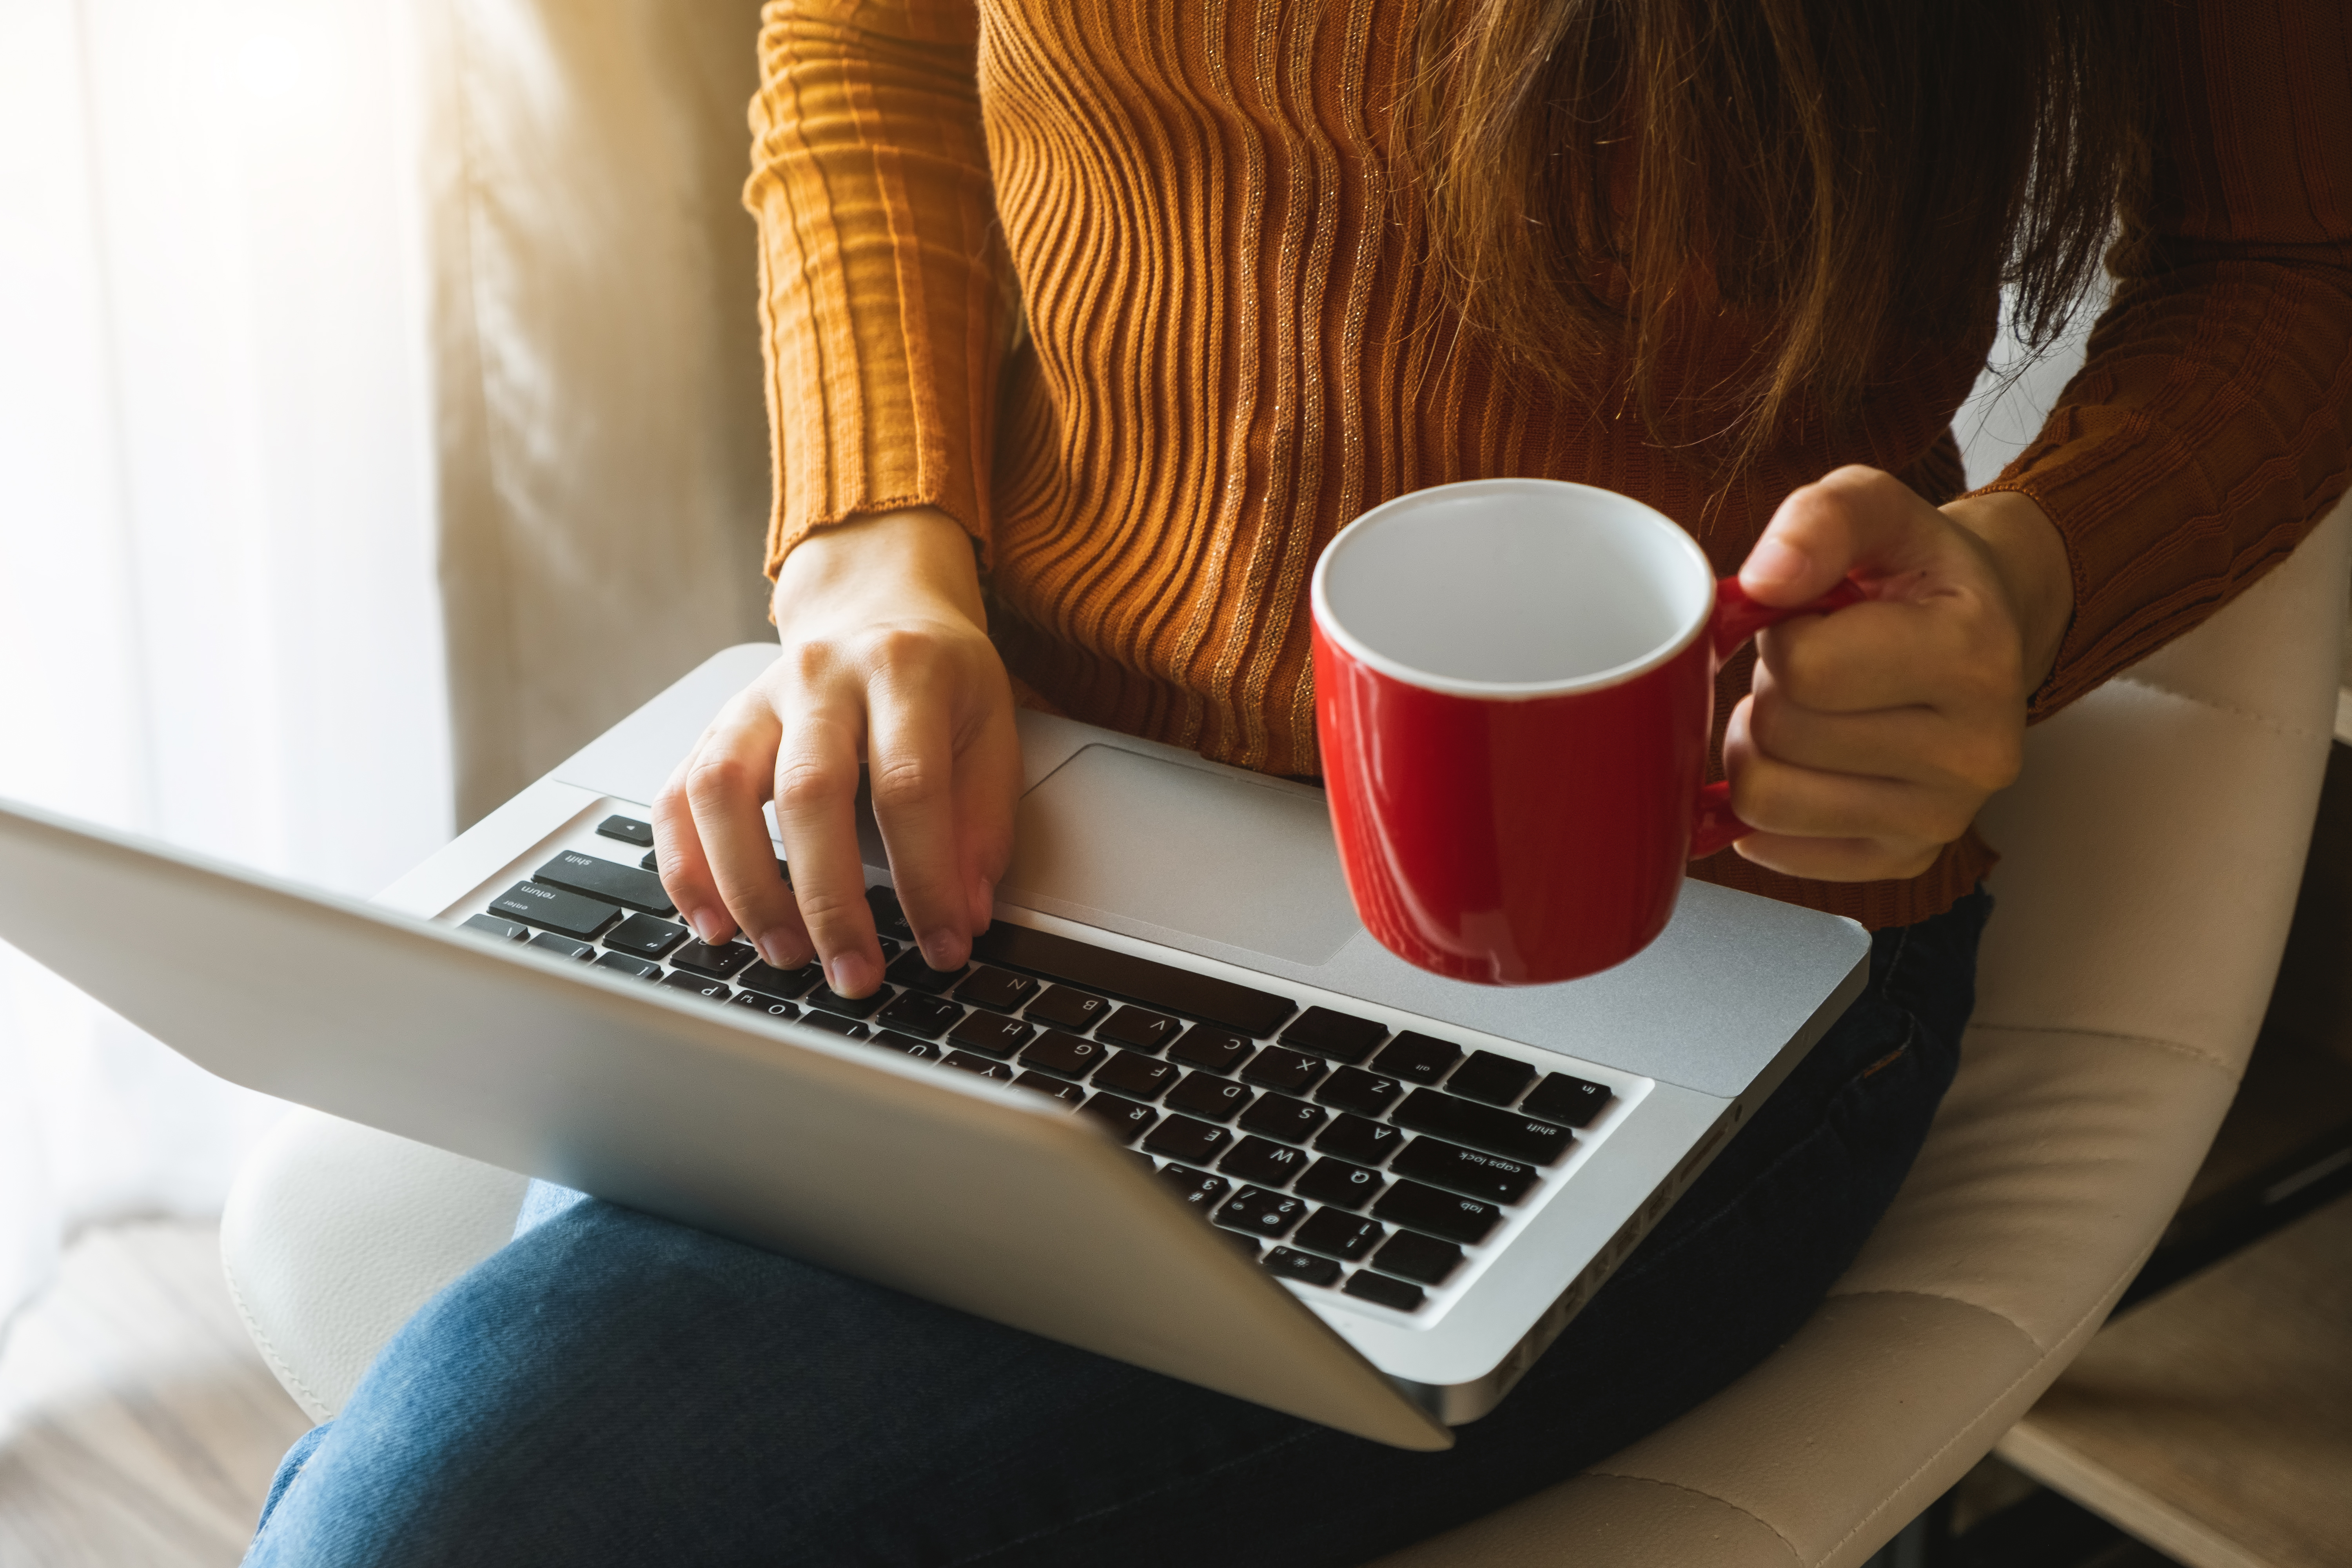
(1513, 588)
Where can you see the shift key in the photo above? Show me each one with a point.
(1505, 1133)
(595, 878)
(550, 909)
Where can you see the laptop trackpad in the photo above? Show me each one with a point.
(1225, 859)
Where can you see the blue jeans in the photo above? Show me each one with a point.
(611, 1388)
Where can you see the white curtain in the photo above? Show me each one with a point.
(604, 447)
(218, 616)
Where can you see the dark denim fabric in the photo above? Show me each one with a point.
(612, 1388)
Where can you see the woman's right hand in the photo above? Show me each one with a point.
(885, 658)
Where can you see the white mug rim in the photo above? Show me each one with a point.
(1622, 508)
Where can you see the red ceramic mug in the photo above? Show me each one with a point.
(1514, 684)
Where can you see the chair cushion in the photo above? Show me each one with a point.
(336, 1233)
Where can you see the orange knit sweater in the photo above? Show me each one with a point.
(1135, 292)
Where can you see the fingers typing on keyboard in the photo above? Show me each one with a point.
(884, 669)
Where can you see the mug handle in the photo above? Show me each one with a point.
(1735, 618)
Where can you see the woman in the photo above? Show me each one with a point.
(1739, 258)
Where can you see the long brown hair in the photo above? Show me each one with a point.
(1851, 180)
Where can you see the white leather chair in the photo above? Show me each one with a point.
(2152, 852)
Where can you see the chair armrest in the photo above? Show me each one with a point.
(335, 1234)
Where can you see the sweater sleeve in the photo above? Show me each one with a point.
(881, 285)
(2208, 428)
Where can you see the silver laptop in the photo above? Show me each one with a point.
(1181, 1109)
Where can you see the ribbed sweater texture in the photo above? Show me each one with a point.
(1137, 292)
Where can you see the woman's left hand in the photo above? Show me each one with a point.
(1873, 736)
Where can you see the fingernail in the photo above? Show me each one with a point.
(711, 928)
(944, 944)
(1772, 561)
(776, 951)
(845, 974)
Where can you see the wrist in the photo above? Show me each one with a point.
(889, 558)
(2028, 555)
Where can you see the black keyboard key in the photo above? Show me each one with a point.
(1059, 1052)
(1260, 1160)
(1433, 1213)
(1338, 1182)
(1418, 1257)
(1497, 1080)
(652, 862)
(825, 999)
(1182, 1137)
(1121, 1115)
(1198, 1188)
(1342, 1037)
(1304, 1267)
(919, 1014)
(628, 831)
(1568, 1100)
(1253, 1211)
(1121, 975)
(551, 908)
(634, 968)
(718, 962)
(1206, 1094)
(1067, 1009)
(834, 1024)
(1279, 1116)
(980, 1065)
(990, 1034)
(911, 970)
(1460, 1169)
(492, 926)
(1505, 1133)
(890, 920)
(1136, 1075)
(1069, 1094)
(773, 981)
(709, 990)
(642, 936)
(1417, 1057)
(1207, 1046)
(1353, 1089)
(564, 947)
(775, 1007)
(922, 1050)
(1338, 1234)
(1365, 1143)
(997, 988)
(1381, 1291)
(1291, 1071)
(595, 878)
(1140, 1028)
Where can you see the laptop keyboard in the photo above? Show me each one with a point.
(1341, 1154)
